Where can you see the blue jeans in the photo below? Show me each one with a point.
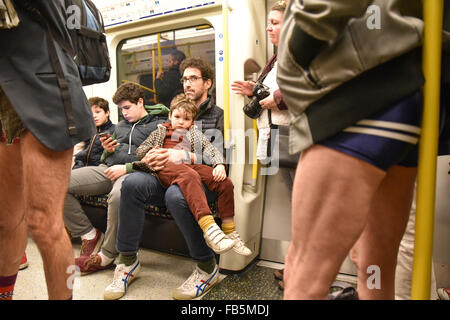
(140, 188)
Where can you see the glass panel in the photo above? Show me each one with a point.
(140, 59)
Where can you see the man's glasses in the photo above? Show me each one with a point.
(191, 79)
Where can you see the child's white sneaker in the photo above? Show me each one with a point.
(217, 240)
(239, 246)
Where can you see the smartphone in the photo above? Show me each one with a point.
(105, 135)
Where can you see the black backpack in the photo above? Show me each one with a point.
(87, 31)
(85, 25)
(90, 52)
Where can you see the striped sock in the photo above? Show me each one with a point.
(229, 227)
(205, 222)
(7, 287)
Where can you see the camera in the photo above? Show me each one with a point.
(253, 108)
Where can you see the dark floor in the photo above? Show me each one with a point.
(255, 283)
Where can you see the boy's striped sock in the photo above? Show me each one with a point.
(7, 287)
(229, 227)
(205, 222)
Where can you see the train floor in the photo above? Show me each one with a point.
(160, 274)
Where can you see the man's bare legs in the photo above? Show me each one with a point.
(45, 176)
(379, 242)
(13, 236)
(330, 207)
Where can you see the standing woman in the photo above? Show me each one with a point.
(274, 110)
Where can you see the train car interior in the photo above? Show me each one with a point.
(235, 43)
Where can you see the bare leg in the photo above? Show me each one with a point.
(330, 205)
(379, 242)
(13, 236)
(46, 178)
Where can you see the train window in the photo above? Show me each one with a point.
(140, 59)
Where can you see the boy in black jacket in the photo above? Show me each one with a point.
(93, 150)
(107, 178)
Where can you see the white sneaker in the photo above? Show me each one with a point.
(239, 246)
(196, 285)
(217, 240)
(123, 276)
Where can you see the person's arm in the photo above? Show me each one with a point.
(277, 96)
(213, 154)
(320, 21)
(148, 144)
(243, 87)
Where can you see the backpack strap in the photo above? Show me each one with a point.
(54, 59)
(62, 83)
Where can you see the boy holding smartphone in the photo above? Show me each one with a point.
(91, 153)
(106, 178)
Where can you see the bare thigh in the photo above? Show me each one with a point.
(46, 178)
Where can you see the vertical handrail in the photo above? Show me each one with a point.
(154, 74)
(160, 66)
(226, 74)
(428, 147)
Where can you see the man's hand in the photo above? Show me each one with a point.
(156, 158)
(109, 144)
(115, 172)
(219, 173)
(178, 156)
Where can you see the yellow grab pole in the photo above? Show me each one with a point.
(154, 73)
(428, 146)
(226, 74)
(160, 67)
(140, 85)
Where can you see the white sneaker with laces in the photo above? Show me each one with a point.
(123, 276)
(196, 285)
(239, 246)
(217, 240)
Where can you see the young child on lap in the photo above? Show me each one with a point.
(181, 134)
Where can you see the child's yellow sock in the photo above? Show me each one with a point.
(205, 222)
(229, 227)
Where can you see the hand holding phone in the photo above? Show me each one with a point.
(108, 143)
(105, 135)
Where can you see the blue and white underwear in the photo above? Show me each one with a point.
(386, 139)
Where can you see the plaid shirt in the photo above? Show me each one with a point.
(196, 140)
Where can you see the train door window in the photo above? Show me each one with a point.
(140, 59)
